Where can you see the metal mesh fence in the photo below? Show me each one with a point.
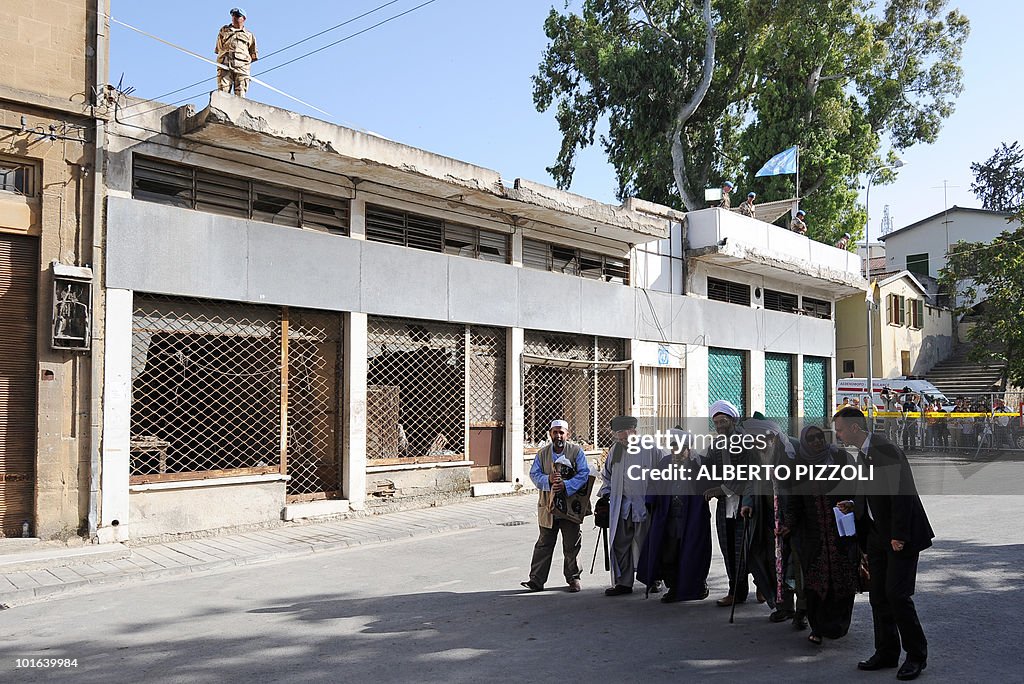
(586, 396)
(969, 423)
(314, 341)
(208, 392)
(487, 377)
(206, 388)
(416, 391)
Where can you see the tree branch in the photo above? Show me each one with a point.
(687, 110)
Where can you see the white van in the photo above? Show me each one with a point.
(856, 391)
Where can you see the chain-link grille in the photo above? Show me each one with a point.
(313, 378)
(206, 388)
(778, 388)
(585, 397)
(416, 390)
(727, 377)
(815, 390)
(487, 377)
(207, 393)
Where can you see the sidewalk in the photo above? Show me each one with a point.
(34, 575)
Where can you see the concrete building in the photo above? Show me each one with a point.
(921, 247)
(304, 319)
(52, 111)
(910, 333)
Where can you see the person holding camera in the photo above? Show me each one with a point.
(562, 475)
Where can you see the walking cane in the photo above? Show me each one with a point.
(597, 543)
(604, 537)
(741, 569)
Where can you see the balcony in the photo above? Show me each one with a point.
(730, 239)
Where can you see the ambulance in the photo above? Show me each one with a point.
(854, 391)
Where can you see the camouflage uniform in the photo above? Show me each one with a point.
(797, 225)
(725, 204)
(236, 48)
(747, 207)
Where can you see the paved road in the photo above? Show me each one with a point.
(449, 608)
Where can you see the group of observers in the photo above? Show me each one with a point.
(784, 535)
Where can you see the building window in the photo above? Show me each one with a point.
(397, 227)
(817, 308)
(189, 187)
(727, 291)
(781, 301)
(848, 366)
(561, 259)
(918, 263)
(916, 309)
(17, 177)
(897, 310)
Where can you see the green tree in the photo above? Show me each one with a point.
(696, 92)
(992, 272)
(999, 181)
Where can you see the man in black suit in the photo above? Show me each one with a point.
(893, 529)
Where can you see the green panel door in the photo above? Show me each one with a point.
(727, 377)
(778, 389)
(815, 390)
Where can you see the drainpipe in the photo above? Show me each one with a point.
(98, 299)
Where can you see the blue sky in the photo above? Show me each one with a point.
(453, 77)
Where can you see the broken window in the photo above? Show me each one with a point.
(817, 308)
(576, 378)
(209, 394)
(561, 259)
(180, 185)
(397, 227)
(780, 301)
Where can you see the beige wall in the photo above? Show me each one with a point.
(49, 59)
(927, 345)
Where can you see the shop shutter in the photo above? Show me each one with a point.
(727, 377)
(815, 390)
(19, 272)
(778, 388)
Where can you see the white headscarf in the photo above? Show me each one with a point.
(723, 406)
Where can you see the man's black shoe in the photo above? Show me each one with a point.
(532, 586)
(670, 597)
(878, 662)
(781, 615)
(618, 590)
(800, 621)
(911, 669)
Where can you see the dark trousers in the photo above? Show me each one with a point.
(544, 549)
(730, 539)
(910, 435)
(893, 575)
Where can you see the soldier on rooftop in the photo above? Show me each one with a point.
(236, 50)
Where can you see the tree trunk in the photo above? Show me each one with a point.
(686, 111)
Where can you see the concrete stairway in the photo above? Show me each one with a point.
(956, 375)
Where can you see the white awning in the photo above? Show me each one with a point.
(550, 362)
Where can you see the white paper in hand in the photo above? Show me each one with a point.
(845, 523)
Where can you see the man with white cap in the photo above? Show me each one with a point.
(235, 50)
(559, 469)
(626, 496)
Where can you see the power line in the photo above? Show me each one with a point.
(276, 52)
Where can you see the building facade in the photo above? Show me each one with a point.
(52, 111)
(303, 319)
(910, 332)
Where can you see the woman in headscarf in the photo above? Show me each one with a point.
(678, 546)
(828, 560)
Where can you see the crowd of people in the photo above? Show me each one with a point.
(785, 536)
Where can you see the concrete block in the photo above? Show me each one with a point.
(314, 509)
(492, 488)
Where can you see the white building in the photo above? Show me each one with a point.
(304, 319)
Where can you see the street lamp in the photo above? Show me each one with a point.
(869, 301)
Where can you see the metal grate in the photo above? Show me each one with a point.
(209, 396)
(487, 377)
(815, 391)
(314, 363)
(416, 391)
(206, 388)
(727, 377)
(586, 397)
(778, 388)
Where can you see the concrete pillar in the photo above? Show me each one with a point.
(514, 416)
(357, 218)
(115, 466)
(755, 382)
(353, 461)
(517, 247)
(633, 380)
(697, 386)
(798, 391)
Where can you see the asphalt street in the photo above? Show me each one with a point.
(449, 608)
